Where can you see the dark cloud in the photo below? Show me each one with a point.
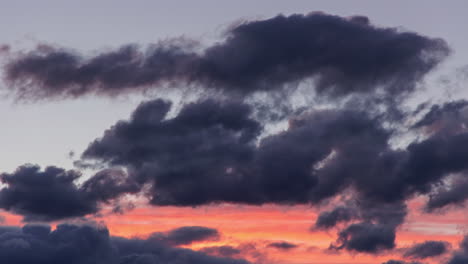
(365, 237)
(250, 251)
(446, 126)
(222, 251)
(52, 194)
(211, 152)
(329, 219)
(51, 72)
(432, 159)
(282, 245)
(344, 55)
(186, 235)
(461, 255)
(208, 153)
(341, 52)
(400, 262)
(447, 119)
(44, 195)
(373, 229)
(320, 155)
(197, 157)
(451, 193)
(90, 244)
(427, 249)
(377, 230)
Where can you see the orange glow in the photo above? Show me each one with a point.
(261, 225)
(265, 224)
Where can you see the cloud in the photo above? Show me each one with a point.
(52, 194)
(400, 262)
(365, 237)
(441, 123)
(461, 255)
(447, 119)
(249, 250)
(91, 244)
(209, 151)
(453, 193)
(376, 230)
(329, 219)
(427, 249)
(217, 143)
(186, 235)
(222, 251)
(196, 157)
(212, 152)
(343, 55)
(282, 245)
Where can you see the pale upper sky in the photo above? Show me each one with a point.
(44, 133)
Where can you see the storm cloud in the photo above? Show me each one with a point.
(342, 55)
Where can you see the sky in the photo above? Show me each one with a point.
(233, 132)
